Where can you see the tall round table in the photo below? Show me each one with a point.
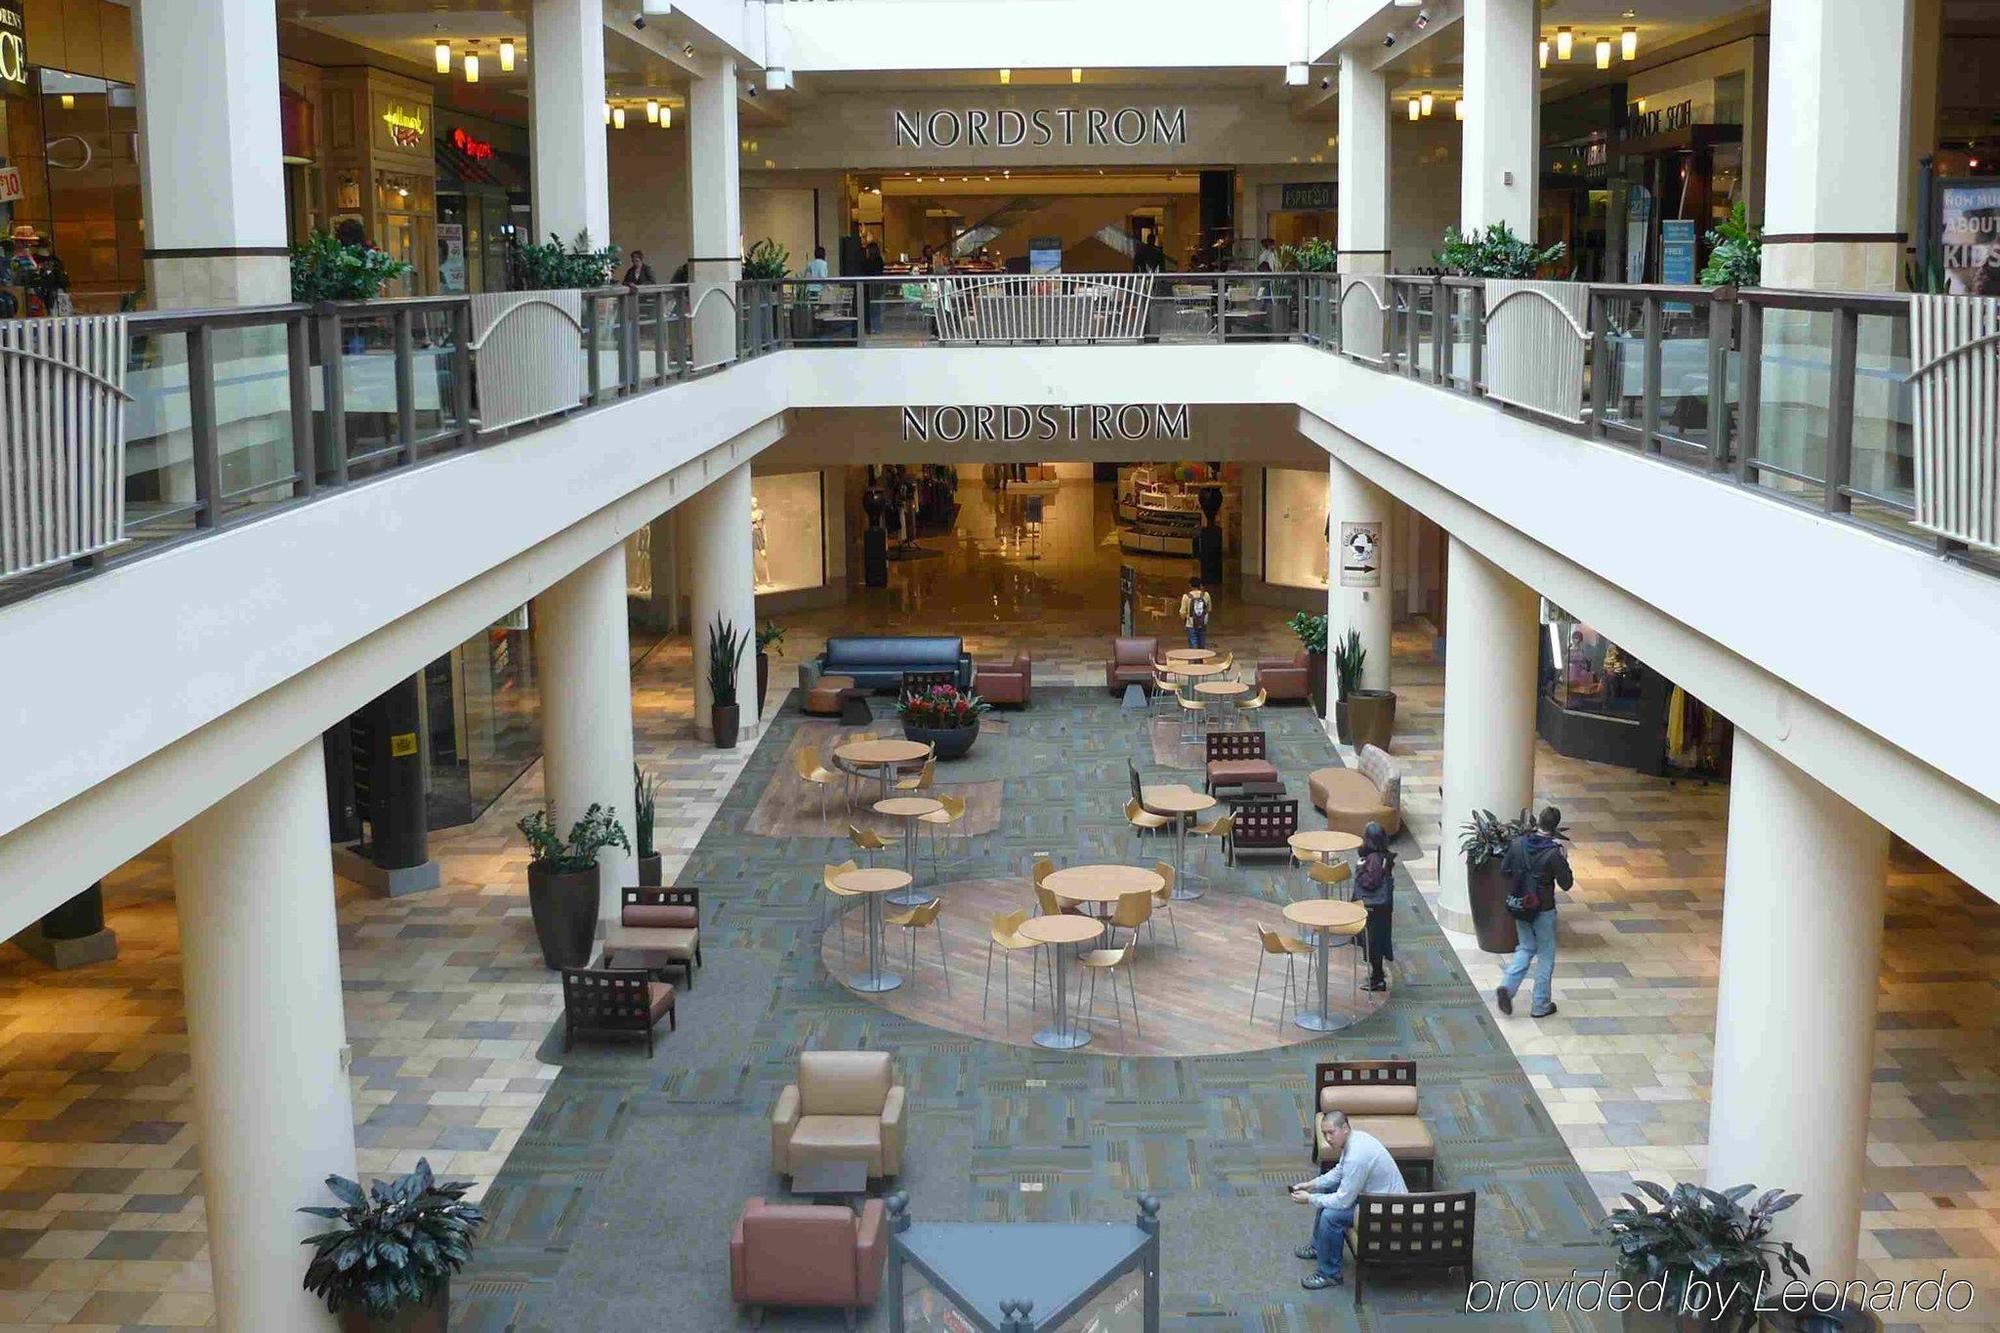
(1058, 931)
(1218, 689)
(1189, 654)
(909, 809)
(1178, 801)
(1102, 886)
(1325, 917)
(1323, 844)
(882, 754)
(872, 885)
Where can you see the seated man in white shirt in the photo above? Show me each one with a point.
(1364, 1167)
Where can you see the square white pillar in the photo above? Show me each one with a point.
(717, 220)
(567, 160)
(1501, 176)
(1363, 182)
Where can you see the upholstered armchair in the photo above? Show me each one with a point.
(846, 1106)
(1284, 678)
(1131, 663)
(813, 1255)
(1005, 682)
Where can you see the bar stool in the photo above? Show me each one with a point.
(939, 820)
(1132, 911)
(835, 894)
(1005, 935)
(866, 842)
(1099, 961)
(1329, 875)
(1196, 709)
(1143, 821)
(1249, 705)
(1273, 945)
(916, 919)
(1219, 828)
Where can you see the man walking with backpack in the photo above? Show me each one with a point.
(1535, 866)
(1194, 613)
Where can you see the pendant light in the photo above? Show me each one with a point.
(607, 113)
(506, 55)
(472, 67)
(1545, 53)
(652, 111)
(1629, 41)
(1565, 43)
(617, 117)
(666, 117)
(1006, 76)
(442, 54)
(1075, 74)
(1458, 109)
(1604, 53)
(1430, 103)
(1416, 109)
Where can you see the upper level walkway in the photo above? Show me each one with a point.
(281, 560)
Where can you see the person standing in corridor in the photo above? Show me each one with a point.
(1535, 866)
(1374, 889)
(1195, 606)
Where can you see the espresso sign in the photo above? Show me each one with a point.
(1014, 423)
(1061, 126)
(13, 50)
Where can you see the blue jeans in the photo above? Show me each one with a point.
(1197, 636)
(1329, 1230)
(1537, 947)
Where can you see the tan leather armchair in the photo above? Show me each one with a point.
(807, 1255)
(846, 1106)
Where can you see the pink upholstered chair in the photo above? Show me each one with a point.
(821, 1256)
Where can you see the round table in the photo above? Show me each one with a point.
(1325, 917)
(873, 884)
(909, 809)
(1058, 931)
(1191, 654)
(1324, 844)
(1178, 801)
(1198, 670)
(882, 754)
(1102, 886)
(1219, 689)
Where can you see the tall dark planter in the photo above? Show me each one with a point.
(726, 721)
(1316, 681)
(1487, 888)
(763, 679)
(432, 1318)
(1371, 718)
(564, 905)
(649, 871)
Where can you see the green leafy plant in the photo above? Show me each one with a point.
(770, 636)
(599, 828)
(941, 707)
(1495, 253)
(1738, 257)
(645, 802)
(725, 655)
(765, 261)
(1927, 280)
(1315, 255)
(395, 1246)
(1311, 630)
(554, 267)
(323, 269)
(1348, 658)
(1702, 1235)
(1486, 837)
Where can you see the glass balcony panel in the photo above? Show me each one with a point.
(1795, 393)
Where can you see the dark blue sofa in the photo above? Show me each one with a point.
(878, 662)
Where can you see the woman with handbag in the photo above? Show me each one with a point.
(1374, 883)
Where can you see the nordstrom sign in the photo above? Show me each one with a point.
(1012, 423)
(1064, 126)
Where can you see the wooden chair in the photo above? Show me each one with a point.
(921, 779)
(1132, 911)
(806, 760)
(1329, 875)
(1273, 945)
(614, 1002)
(916, 919)
(835, 894)
(938, 821)
(1422, 1233)
(1260, 828)
(1111, 962)
(1005, 935)
(1143, 821)
(866, 842)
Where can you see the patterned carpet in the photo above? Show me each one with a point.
(614, 1207)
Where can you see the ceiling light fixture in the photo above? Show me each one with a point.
(442, 53)
(666, 117)
(1006, 76)
(687, 49)
(1416, 109)
(1565, 43)
(471, 67)
(506, 55)
(607, 113)
(1604, 53)
(1430, 103)
(652, 111)
(1075, 74)
(1545, 53)
(1458, 109)
(617, 117)
(1629, 42)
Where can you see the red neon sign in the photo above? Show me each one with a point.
(477, 149)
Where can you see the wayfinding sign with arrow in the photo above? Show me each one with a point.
(1360, 555)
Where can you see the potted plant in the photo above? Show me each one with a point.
(324, 268)
(1699, 1238)
(644, 804)
(769, 638)
(389, 1261)
(1738, 257)
(1311, 630)
(1360, 717)
(556, 267)
(942, 716)
(562, 881)
(1494, 253)
(765, 262)
(725, 654)
(1483, 841)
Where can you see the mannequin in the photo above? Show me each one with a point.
(760, 554)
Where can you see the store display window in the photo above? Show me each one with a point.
(787, 532)
(1295, 527)
(1592, 674)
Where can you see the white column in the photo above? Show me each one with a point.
(567, 158)
(210, 178)
(716, 525)
(1489, 708)
(1352, 498)
(716, 233)
(1802, 906)
(584, 652)
(1832, 189)
(1501, 175)
(1407, 554)
(260, 968)
(1362, 222)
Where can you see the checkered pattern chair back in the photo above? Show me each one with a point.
(1364, 1074)
(1236, 745)
(607, 1000)
(919, 681)
(1430, 1230)
(1265, 823)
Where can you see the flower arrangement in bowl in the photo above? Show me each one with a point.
(943, 716)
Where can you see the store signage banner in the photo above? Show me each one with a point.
(1361, 555)
(1307, 196)
(10, 183)
(1969, 236)
(13, 52)
(1013, 423)
(1061, 126)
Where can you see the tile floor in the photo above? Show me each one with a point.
(101, 1220)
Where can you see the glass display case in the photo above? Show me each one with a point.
(1295, 527)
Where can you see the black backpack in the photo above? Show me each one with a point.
(1525, 902)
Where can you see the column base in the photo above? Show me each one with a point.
(198, 282)
(62, 955)
(350, 864)
(1845, 264)
(746, 733)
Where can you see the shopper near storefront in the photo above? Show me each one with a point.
(1535, 867)
(1195, 606)
(638, 273)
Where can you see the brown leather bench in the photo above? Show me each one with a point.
(1379, 1097)
(661, 926)
(608, 1002)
